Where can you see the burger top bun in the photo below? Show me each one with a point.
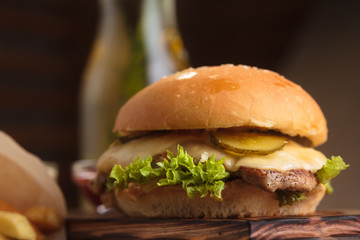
(24, 179)
(221, 97)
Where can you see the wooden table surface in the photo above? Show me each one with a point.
(325, 225)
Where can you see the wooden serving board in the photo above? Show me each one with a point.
(333, 225)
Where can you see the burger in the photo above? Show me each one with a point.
(218, 142)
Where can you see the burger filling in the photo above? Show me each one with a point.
(202, 162)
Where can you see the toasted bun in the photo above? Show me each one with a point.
(240, 200)
(24, 180)
(221, 97)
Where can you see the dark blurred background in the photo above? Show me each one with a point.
(44, 47)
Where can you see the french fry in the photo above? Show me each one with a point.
(45, 218)
(15, 225)
(4, 206)
(41, 220)
(39, 235)
(2, 237)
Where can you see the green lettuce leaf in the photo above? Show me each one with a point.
(140, 171)
(289, 197)
(331, 169)
(198, 179)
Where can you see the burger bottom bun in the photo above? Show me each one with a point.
(240, 200)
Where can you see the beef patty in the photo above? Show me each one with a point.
(272, 180)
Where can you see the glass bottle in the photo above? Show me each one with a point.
(137, 44)
(102, 91)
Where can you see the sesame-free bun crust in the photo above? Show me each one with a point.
(240, 200)
(222, 97)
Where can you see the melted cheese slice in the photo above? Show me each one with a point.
(291, 156)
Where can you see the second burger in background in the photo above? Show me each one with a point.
(218, 142)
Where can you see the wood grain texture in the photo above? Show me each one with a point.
(157, 229)
(329, 225)
(300, 228)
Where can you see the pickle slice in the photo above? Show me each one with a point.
(247, 142)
